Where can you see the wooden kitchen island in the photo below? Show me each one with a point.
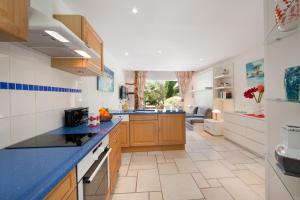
(153, 131)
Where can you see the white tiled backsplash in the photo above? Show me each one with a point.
(24, 114)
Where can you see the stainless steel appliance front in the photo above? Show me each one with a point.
(93, 173)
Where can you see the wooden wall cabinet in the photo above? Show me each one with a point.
(171, 129)
(115, 155)
(81, 66)
(124, 134)
(13, 20)
(143, 133)
(66, 189)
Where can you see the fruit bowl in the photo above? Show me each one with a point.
(106, 118)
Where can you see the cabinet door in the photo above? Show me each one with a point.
(13, 20)
(143, 133)
(115, 155)
(124, 134)
(64, 189)
(92, 40)
(171, 129)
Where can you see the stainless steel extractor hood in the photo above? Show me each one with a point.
(53, 38)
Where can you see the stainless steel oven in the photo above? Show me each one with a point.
(93, 173)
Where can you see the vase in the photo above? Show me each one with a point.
(287, 14)
(292, 83)
(259, 109)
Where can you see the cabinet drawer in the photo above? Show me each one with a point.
(255, 135)
(207, 126)
(255, 124)
(143, 117)
(64, 189)
(247, 143)
(237, 119)
(234, 128)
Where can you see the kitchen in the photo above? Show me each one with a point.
(53, 145)
(58, 172)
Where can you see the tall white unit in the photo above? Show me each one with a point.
(280, 53)
(223, 87)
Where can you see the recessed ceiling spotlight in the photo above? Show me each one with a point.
(134, 10)
(126, 53)
(159, 51)
(201, 59)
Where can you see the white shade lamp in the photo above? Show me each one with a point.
(216, 112)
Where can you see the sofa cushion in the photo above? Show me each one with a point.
(208, 114)
(195, 120)
(193, 110)
(201, 111)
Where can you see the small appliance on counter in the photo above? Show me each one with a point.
(76, 116)
(94, 120)
(287, 154)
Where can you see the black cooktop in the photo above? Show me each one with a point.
(53, 140)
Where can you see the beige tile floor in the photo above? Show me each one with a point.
(210, 168)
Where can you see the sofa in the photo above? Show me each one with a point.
(197, 114)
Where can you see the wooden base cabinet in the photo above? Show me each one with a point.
(124, 134)
(171, 129)
(66, 189)
(13, 20)
(115, 155)
(80, 66)
(143, 133)
(155, 132)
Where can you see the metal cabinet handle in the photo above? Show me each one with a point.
(91, 175)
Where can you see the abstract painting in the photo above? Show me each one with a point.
(255, 73)
(292, 83)
(105, 82)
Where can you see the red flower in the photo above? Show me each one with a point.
(250, 93)
(260, 88)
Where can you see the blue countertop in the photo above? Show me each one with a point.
(133, 112)
(32, 173)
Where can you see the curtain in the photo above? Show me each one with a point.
(184, 79)
(140, 79)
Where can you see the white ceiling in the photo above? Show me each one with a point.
(184, 30)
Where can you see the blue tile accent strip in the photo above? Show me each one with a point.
(40, 88)
(3, 85)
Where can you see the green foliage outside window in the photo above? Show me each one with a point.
(159, 91)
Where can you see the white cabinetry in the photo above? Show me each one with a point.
(214, 127)
(246, 131)
(275, 189)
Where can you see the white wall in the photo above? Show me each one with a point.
(95, 99)
(161, 75)
(24, 114)
(203, 98)
(279, 56)
(240, 82)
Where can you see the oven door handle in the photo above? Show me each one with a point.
(90, 175)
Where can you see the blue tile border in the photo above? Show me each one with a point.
(40, 88)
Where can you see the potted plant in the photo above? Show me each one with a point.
(257, 94)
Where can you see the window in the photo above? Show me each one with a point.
(161, 92)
